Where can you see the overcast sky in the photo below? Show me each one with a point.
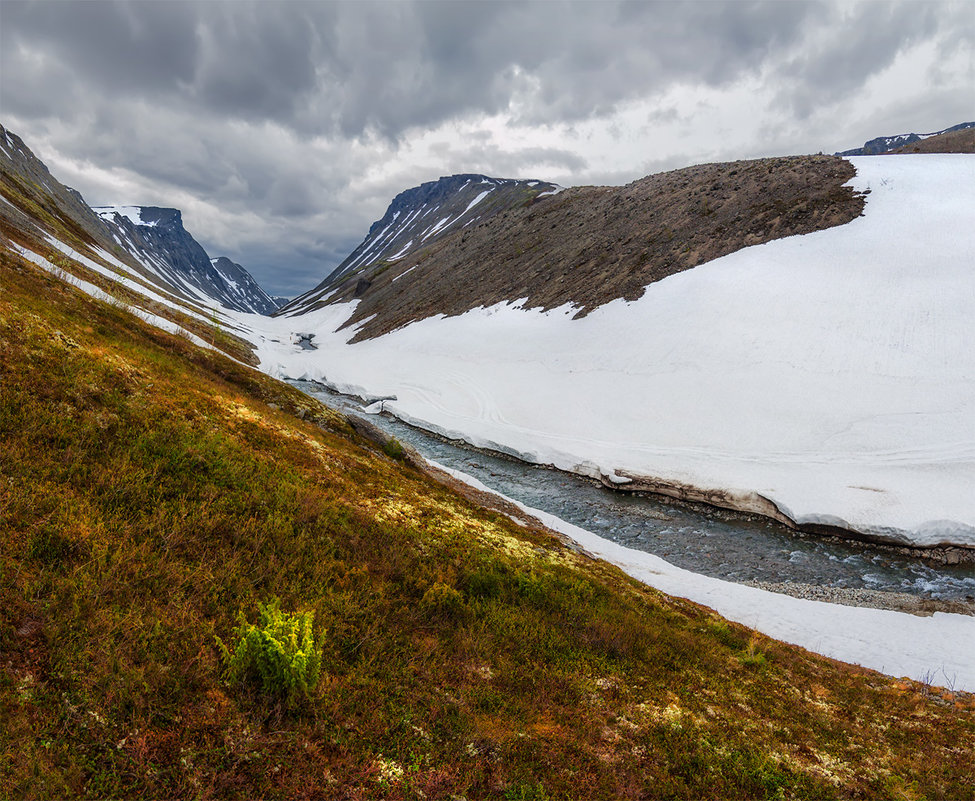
(283, 129)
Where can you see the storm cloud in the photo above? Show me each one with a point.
(283, 129)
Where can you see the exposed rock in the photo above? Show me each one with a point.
(590, 245)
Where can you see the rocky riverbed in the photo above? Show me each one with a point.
(873, 599)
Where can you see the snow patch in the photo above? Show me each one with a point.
(475, 201)
(132, 213)
(830, 373)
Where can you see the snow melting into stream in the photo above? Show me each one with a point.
(832, 372)
(937, 650)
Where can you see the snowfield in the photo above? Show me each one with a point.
(831, 373)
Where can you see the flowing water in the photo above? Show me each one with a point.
(712, 542)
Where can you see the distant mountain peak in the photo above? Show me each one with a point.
(156, 236)
(421, 216)
(885, 144)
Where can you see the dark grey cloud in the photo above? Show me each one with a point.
(387, 67)
(284, 128)
(843, 64)
(118, 47)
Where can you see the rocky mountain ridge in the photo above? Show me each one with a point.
(149, 242)
(156, 237)
(587, 246)
(890, 144)
(420, 217)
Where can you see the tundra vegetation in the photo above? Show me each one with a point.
(151, 490)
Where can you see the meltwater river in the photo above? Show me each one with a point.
(713, 542)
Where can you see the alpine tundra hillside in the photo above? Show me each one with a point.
(158, 495)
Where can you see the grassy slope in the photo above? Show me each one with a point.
(149, 490)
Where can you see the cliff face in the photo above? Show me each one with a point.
(157, 237)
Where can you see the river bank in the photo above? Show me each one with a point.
(719, 543)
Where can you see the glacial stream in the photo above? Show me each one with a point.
(712, 542)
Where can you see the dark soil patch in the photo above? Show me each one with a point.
(591, 245)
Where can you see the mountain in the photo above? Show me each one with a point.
(156, 237)
(147, 244)
(243, 287)
(960, 140)
(889, 144)
(418, 218)
(36, 203)
(755, 335)
(587, 246)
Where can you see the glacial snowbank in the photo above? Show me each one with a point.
(831, 373)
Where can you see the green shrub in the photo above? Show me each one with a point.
(394, 449)
(488, 580)
(441, 602)
(279, 654)
(752, 657)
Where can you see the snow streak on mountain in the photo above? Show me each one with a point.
(156, 237)
(884, 144)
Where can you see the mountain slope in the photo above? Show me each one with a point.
(34, 203)
(146, 244)
(152, 490)
(890, 144)
(587, 246)
(418, 218)
(243, 288)
(823, 379)
(961, 140)
(156, 237)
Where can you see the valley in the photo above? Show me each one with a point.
(161, 479)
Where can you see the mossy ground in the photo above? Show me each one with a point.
(149, 490)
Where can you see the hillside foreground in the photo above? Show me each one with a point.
(153, 489)
(824, 379)
(930, 648)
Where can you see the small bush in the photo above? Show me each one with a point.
(278, 654)
(441, 602)
(752, 657)
(488, 580)
(394, 449)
